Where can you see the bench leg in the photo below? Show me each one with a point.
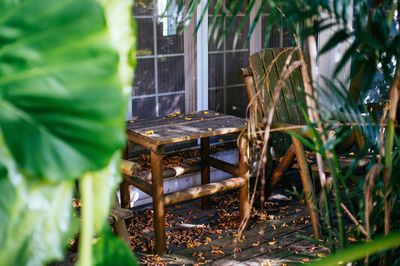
(122, 232)
(120, 226)
(307, 186)
(244, 203)
(158, 204)
(124, 187)
(205, 171)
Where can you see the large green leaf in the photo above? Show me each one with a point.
(109, 250)
(60, 91)
(35, 217)
(65, 69)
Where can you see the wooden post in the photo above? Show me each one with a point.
(281, 168)
(205, 171)
(307, 186)
(124, 186)
(158, 204)
(244, 208)
(120, 226)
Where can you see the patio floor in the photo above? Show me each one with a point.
(197, 236)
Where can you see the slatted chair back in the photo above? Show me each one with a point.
(261, 79)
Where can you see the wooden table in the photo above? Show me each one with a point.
(155, 133)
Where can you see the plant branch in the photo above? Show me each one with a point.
(85, 245)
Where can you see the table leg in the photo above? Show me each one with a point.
(158, 204)
(205, 171)
(244, 202)
(124, 187)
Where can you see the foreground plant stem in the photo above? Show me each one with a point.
(394, 98)
(312, 107)
(85, 244)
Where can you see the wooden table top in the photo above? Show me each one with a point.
(177, 127)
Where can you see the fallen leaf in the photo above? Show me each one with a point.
(188, 118)
(205, 112)
(209, 129)
(237, 250)
(271, 243)
(256, 244)
(149, 132)
(320, 255)
(217, 252)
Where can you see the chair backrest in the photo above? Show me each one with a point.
(266, 67)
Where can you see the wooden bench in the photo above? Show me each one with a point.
(154, 134)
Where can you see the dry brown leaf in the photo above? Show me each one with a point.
(237, 250)
(255, 244)
(217, 252)
(271, 243)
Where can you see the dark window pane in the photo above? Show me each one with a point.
(236, 101)
(287, 38)
(145, 38)
(144, 107)
(235, 61)
(171, 74)
(215, 70)
(216, 100)
(169, 40)
(213, 42)
(279, 37)
(143, 8)
(144, 82)
(171, 104)
(242, 41)
(230, 5)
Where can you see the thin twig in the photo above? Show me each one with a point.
(362, 229)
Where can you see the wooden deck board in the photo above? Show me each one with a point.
(273, 240)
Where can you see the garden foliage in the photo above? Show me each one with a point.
(65, 67)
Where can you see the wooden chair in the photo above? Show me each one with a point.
(260, 80)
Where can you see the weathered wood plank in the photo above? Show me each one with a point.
(265, 250)
(281, 56)
(298, 88)
(174, 171)
(152, 133)
(138, 182)
(224, 166)
(204, 190)
(253, 235)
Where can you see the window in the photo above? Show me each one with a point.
(168, 74)
(226, 89)
(279, 37)
(159, 85)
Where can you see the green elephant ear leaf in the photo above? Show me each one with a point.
(110, 250)
(60, 91)
(64, 71)
(35, 217)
